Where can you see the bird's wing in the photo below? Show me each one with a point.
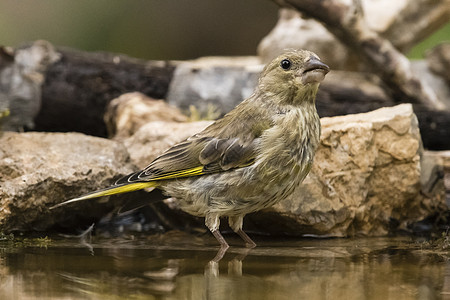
(229, 143)
(197, 156)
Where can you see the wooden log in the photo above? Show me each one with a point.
(79, 86)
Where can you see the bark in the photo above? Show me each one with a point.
(79, 86)
(417, 21)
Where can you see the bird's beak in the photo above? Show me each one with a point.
(314, 71)
(315, 64)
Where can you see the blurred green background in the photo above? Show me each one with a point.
(150, 29)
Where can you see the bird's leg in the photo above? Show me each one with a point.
(248, 241)
(236, 223)
(212, 221)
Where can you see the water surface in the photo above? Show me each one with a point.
(145, 268)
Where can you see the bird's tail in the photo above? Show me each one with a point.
(115, 189)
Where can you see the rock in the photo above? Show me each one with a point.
(38, 170)
(127, 113)
(365, 180)
(294, 32)
(220, 82)
(155, 137)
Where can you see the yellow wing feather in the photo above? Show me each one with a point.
(180, 174)
(111, 191)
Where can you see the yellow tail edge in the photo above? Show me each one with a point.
(129, 187)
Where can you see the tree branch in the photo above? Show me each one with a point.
(418, 20)
(347, 23)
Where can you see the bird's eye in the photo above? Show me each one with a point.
(285, 64)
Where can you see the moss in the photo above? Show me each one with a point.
(11, 240)
(211, 113)
(3, 114)
(438, 245)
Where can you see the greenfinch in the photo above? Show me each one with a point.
(248, 160)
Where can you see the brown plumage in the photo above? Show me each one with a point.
(248, 160)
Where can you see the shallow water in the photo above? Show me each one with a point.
(142, 268)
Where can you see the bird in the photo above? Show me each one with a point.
(246, 161)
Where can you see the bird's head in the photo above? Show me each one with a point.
(293, 77)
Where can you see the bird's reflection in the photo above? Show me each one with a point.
(85, 238)
(162, 276)
(234, 265)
